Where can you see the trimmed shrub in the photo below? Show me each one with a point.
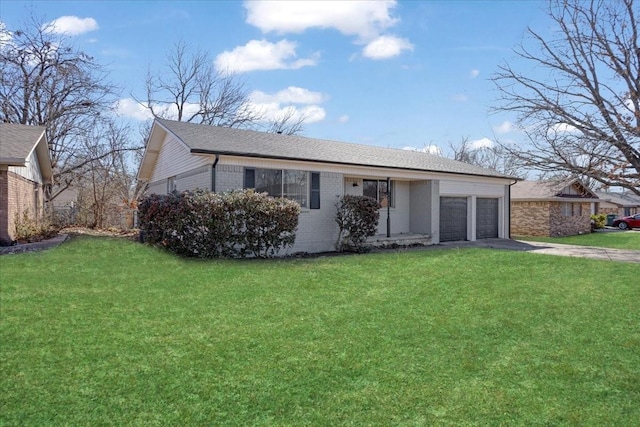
(357, 219)
(209, 225)
(598, 221)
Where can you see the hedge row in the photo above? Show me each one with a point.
(211, 225)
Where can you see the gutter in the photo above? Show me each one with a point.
(509, 207)
(213, 173)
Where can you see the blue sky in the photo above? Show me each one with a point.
(394, 74)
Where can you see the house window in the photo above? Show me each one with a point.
(289, 183)
(571, 209)
(171, 184)
(377, 189)
(36, 201)
(577, 209)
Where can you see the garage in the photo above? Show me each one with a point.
(453, 219)
(486, 218)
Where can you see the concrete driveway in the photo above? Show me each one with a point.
(621, 255)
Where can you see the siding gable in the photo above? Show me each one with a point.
(175, 158)
(31, 170)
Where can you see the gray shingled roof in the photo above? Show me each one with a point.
(17, 141)
(542, 189)
(223, 140)
(621, 199)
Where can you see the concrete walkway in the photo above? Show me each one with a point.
(621, 255)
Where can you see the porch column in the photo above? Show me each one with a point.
(388, 207)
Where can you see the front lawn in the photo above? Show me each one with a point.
(110, 332)
(598, 239)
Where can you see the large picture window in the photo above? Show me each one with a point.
(378, 190)
(289, 183)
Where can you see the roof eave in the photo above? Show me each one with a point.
(12, 161)
(301, 159)
(555, 199)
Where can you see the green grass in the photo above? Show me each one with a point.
(109, 332)
(599, 239)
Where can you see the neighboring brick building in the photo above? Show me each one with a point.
(551, 208)
(25, 168)
(620, 204)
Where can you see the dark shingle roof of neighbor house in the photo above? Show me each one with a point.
(17, 141)
(531, 190)
(228, 141)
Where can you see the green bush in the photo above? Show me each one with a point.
(209, 225)
(598, 221)
(357, 219)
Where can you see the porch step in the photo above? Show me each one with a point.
(400, 240)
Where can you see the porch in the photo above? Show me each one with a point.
(400, 240)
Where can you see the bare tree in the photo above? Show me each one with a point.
(288, 123)
(106, 183)
(495, 157)
(581, 113)
(45, 80)
(188, 89)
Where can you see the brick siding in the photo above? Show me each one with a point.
(545, 218)
(17, 197)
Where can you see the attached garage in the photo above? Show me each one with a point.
(453, 219)
(486, 218)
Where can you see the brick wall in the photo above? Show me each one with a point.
(530, 218)
(570, 225)
(17, 197)
(317, 229)
(545, 218)
(615, 211)
(5, 238)
(194, 179)
(229, 177)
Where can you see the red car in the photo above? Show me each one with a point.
(627, 222)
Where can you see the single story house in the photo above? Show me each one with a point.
(620, 204)
(423, 195)
(25, 169)
(551, 208)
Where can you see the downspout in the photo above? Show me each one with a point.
(388, 207)
(213, 174)
(509, 207)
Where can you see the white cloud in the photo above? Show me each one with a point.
(563, 128)
(293, 101)
(474, 73)
(343, 118)
(290, 95)
(460, 97)
(262, 55)
(504, 127)
(429, 149)
(5, 35)
(481, 143)
(385, 47)
(629, 104)
(71, 25)
(365, 19)
(131, 108)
